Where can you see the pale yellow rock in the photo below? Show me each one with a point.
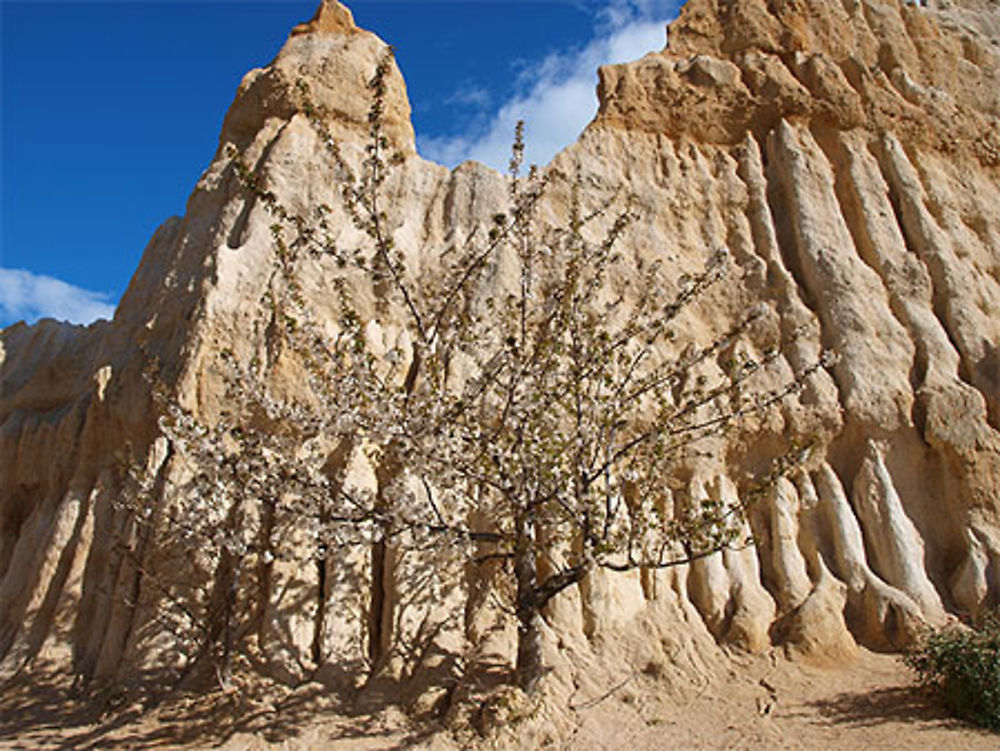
(816, 630)
(784, 563)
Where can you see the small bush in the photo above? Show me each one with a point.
(961, 666)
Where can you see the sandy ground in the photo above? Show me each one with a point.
(762, 703)
(774, 704)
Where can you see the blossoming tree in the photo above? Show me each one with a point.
(550, 404)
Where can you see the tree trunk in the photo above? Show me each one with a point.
(381, 591)
(381, 603)
(319, 622)
(265, 568)
(220, 626)
(529, 650)
(529, 616)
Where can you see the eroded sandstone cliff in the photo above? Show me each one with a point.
(848, 154)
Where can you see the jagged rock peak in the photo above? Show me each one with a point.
(336, 60)
(331, 18)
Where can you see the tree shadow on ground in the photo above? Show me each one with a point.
(41, 710)
(37, 704)
(897, 704)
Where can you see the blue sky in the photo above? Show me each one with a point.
(110, 111)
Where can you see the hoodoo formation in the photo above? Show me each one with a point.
(848, 155)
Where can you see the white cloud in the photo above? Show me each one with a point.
(28, 296)
(470, 96)
(557, 97)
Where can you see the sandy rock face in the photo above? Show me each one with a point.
(848, 155)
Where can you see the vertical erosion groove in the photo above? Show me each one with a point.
(25, 642)
(47, 612)
(878, 615)
(849, 297)
(12, 518)
(144, 541)
(895, 545)
(101, 576)
(137, 541)
(22, 576)
(708, 582)
(780, 205)
(122, 604)
(850, 186)
(753, 607)
(787, 576)
(779, 284)
(952, 278)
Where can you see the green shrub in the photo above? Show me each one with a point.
(961, 666)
